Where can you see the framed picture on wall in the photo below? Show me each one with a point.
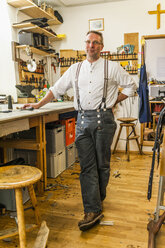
(96, 24)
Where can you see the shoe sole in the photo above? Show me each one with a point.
(86, 226)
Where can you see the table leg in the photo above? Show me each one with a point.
(44, 153)
(39, 131)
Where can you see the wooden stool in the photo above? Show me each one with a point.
(127, 122)
(16, 177)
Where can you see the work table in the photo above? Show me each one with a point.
(20, 120)
(49, 111)
(19, 114)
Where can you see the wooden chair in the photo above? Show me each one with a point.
(16, 177)
(127, 122)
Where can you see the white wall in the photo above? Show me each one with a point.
(119, 18)
(7, 70)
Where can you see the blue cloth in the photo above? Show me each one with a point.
(94, 136)
(144, 109)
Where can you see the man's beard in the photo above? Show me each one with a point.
(93, 56)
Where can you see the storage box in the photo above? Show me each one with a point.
(28, 38)
(55, 139)
(76, 151)
(69, 125)
(29, 156)
(70, 155)
(33, 39)
(7, 198)
(56, 163)
(69, 138)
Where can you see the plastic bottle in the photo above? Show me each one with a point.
(45, 90)
(48, 85)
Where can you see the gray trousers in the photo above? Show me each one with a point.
(94, 135)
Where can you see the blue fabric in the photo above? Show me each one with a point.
(144, 109)
(94, 135)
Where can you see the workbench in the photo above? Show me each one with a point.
(20, 120)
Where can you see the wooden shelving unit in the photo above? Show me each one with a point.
(31, 9)
(35, 50)
(124, 57)
(56, 38)
(35, 29)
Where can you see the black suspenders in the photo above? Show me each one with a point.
(103, 102)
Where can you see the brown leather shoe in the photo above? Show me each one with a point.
(90, 219)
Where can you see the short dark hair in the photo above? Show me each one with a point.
(98, 33)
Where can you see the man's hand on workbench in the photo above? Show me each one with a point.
(47, 98)
(31, 105)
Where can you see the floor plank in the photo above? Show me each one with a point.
(126, 205)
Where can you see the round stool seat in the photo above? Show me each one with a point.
(18, 176)
(127, 119)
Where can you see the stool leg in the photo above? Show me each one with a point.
(34, 203)
(127, 132)
(118, 136)
(137, 141)
(21, 219)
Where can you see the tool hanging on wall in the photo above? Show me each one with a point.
(31, 65)
(54, 67)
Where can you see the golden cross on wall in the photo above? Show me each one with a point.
(158, 12)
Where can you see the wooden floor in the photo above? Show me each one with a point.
(126, 205)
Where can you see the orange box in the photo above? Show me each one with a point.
(69, 137)
(69, 125)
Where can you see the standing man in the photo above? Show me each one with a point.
(95, 82)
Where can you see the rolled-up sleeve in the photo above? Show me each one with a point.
(63, 84)
(126, 82)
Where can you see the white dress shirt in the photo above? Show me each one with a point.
(91, 82)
